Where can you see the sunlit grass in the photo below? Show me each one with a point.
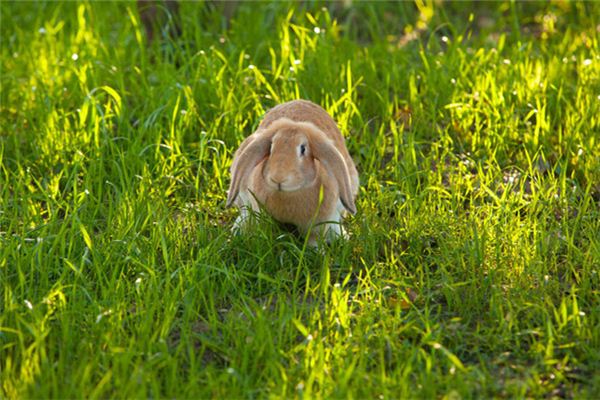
(472, 264)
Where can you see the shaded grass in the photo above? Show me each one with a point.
(472, 268)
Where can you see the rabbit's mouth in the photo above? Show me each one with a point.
(288, 183)
(284, 187)
(281, 184)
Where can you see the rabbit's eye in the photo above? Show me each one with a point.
(302, 149)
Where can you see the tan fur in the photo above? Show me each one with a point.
(272, 169)
(298, 207)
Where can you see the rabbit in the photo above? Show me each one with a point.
(296, 168)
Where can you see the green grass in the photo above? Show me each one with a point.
(472, 268)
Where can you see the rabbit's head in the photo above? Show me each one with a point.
(290, 165)
(290, 151)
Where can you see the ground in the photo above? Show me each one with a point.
(471, 267)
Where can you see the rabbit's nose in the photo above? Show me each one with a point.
(277, 181)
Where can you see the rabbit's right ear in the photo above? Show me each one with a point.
(251, 152)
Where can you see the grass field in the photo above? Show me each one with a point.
(472, 267)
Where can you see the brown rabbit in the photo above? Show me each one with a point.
(296, 166)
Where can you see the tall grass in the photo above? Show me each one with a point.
(472, 264)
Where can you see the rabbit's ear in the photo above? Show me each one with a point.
(325, 151)
(252, 151)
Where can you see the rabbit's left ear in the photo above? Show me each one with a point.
(325, 151)
(251, 151)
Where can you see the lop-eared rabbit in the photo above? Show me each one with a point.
(297, 168)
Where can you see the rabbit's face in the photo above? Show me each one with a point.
(290, 165)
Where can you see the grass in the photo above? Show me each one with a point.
(472, 264)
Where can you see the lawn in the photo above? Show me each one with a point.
(472, 265)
